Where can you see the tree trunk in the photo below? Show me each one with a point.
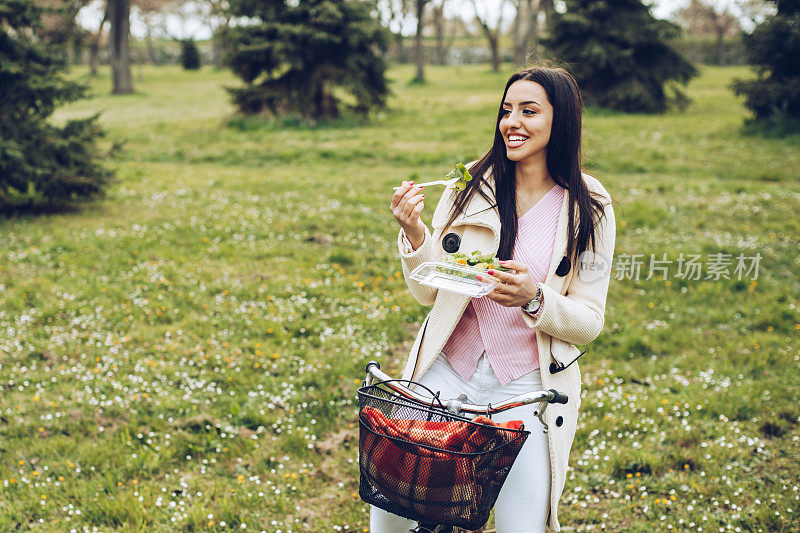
(525, 27)
(494, 43)
(216, 51)
(401, 49)
(219, 41)
(439, 25)
(151, 50)
(493, 36)
(94, 45)
(530, 35)
(549, 8)
(418, 52)
(324, 102)
(94, 56)
(516, 34)
(721, 59)
(119, 13)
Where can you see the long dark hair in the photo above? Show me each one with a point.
(563, 164)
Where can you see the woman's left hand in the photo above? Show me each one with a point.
(515, 290)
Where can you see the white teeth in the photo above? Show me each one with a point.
(516, 138)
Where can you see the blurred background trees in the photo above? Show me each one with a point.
(425, 32)
(491, 28)
(532, 19)
(443, 22)
(59, 25)
(294, 55)
(317, 59)
(711, 19)
(774, 48)
(620, 54)
(151, 14)
(119, 12)
(419, 58)
(190, 55)
(42, 166)
(625, 56)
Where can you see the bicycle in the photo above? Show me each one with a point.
(403, 430)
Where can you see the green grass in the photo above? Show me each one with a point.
(185, 352)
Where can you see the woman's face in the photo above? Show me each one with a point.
(526, 120)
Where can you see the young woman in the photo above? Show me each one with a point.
(531, 205)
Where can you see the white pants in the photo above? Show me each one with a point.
(524, 500)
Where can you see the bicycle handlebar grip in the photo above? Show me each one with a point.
(371, 364)
(559, 397)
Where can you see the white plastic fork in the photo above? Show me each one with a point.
(449, 183)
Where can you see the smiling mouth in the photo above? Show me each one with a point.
(515, 141)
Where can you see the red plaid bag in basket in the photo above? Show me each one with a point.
(431, 468)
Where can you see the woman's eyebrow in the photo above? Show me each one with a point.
(526, 102)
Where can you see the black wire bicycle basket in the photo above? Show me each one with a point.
(424, 463)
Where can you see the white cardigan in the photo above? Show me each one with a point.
(573, 313)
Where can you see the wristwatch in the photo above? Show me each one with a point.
(533, 306)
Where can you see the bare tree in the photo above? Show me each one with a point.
(524, 28)
(710, 18)
(59, 24)
(492, 34)
(755, 11)
(217, 16)
(419, 53)
(393, 14)
(151, 13)
(119, 12)
(95, 41)
(439, 25)
(548, 8)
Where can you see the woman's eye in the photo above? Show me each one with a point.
(528, 112)
(506, 112)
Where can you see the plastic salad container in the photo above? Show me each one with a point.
(455, 278)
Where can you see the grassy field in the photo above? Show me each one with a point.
(183, 355)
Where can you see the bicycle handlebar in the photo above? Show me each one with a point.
(559, 397)
(550, 396)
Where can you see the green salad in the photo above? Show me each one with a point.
(462, 174)
(475, 259)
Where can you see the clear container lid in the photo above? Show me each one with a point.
(455, 278)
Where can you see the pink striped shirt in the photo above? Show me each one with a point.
(510, 345)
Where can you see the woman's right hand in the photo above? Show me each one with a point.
(407, 204)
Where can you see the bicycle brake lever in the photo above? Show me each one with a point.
(540, 414)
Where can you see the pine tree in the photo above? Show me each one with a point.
(774, 47)
(190, 55)
(41, 165)
(620, 54)
(293, 55)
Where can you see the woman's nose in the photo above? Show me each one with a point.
(513, 119)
